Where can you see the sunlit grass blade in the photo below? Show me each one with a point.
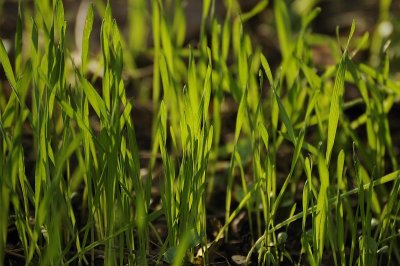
(322, 207)
(241, 115)
(137, 24)
(283, 27)
(255, 10)
(87, 29)
(337, 99)
(95, 99)
(5, 62)
(335, 108)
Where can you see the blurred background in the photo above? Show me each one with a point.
(381, 18)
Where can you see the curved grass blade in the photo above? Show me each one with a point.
(5, 62)
(337, 98)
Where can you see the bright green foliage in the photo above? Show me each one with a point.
(298, 156)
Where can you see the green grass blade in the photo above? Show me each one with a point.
(283, 27)
(5, 62)
(337, 98)
(241, 115)
(336, 103)
(258, 8)
(95, 99)
(285, 118)
(322, 205)
(87, 29)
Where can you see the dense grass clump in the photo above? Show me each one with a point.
(295, 160)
